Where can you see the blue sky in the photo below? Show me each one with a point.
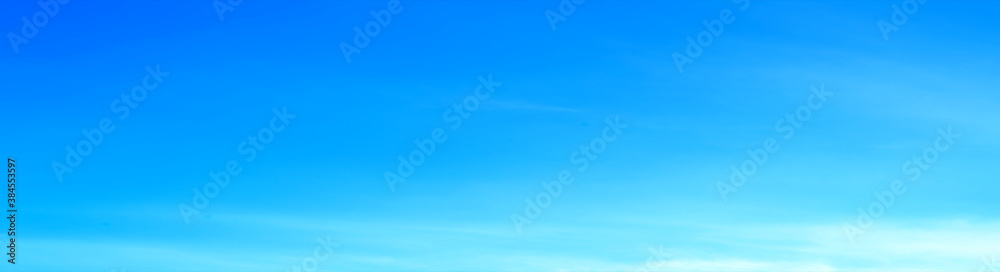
(649, 201)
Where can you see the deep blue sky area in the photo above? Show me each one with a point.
(398, 135)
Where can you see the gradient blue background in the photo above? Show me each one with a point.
(654, 187)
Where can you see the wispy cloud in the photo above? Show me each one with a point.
(528, 106)
(915, 245)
